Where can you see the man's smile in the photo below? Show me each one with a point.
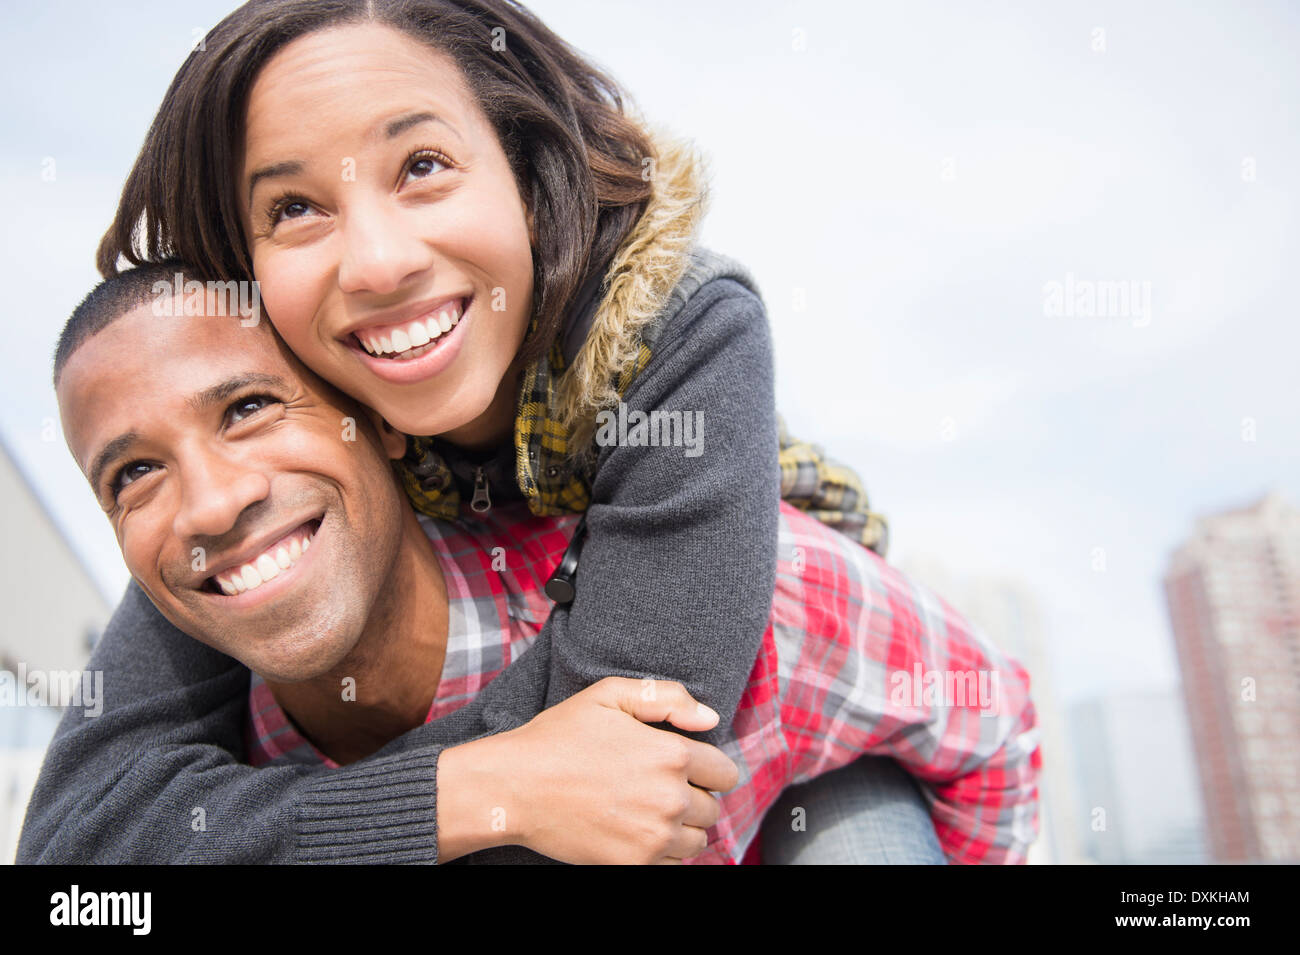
(263, 570)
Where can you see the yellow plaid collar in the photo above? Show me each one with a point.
(550, 482)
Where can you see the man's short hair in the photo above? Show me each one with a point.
(110, 300)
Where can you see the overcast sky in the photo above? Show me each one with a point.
(918, 174)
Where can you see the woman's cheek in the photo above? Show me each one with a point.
(287, 298)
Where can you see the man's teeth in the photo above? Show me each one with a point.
(281, 555)
(402, 341)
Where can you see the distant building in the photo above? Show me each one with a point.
(52, 615)
(53, 612)
(1137, 784)
(1008, 614)
(1234, 602)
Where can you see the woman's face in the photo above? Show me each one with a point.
(387, 232)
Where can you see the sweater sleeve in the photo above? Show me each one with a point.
(678, 569)
(159, 775)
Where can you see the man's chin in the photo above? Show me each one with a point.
(309, 647)
(296, 663)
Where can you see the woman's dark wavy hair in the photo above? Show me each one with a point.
(577, 157)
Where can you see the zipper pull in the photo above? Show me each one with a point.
(482, 500)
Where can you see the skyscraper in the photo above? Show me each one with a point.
(1234, 602)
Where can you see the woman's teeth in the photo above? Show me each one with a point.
(281, 555)
(411, 339)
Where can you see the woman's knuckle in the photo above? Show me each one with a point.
(666, 801)
(701, 841)
(674, 687)
(713, 812)
(678, 755)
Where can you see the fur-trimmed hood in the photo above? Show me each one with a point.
(601, 337)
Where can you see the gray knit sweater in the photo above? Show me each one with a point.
(688, 601)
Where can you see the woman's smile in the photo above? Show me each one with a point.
(399, 335)
(414, 350)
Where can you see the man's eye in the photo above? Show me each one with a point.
(247, 407)
(128, 473)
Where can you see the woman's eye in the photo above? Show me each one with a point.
(423, 167)
(246, 407)
(288, 209)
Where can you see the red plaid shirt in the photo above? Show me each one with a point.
(857, 659)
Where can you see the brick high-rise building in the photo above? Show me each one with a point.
(1234, 602)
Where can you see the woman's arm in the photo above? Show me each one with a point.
(159, 775)
(678, 569)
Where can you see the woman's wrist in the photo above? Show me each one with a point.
(479, 803)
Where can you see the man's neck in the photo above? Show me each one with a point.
(386, 685)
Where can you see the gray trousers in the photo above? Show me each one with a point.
(869, 812)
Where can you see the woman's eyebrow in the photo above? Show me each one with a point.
(392, 129)
(395, 127)
(291, 167)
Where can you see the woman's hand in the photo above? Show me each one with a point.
(587, 782)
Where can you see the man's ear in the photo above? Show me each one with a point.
(394, 441)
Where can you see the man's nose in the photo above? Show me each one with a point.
(215, 491)
(381, 247)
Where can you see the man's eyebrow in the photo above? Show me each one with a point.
(199, 402)
(222, 390)
(114, 449)
(290, 167)
(395, 127)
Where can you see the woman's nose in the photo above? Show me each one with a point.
(215, 492)
(381, 250)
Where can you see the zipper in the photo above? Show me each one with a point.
(482, 499)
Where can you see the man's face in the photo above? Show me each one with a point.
(253, 503)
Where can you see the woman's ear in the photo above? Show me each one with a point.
(394, 441)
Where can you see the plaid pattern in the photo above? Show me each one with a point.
(828, 491)
(843, 671)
